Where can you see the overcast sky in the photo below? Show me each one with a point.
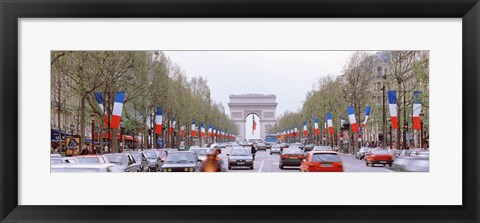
(287, 74)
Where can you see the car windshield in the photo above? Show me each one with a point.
(88, 160)
(180, 158)
(81, 170)
(381, 152)
(151, 155)
(137, 157)
(292, 151)
(325, 157)
(241, 152)
(55, 161)
(200, 152)
(117, 159)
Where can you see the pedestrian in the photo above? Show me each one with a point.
(253, 150)
(90, 149)
(84, 150)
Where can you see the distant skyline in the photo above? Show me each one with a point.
(287, 74)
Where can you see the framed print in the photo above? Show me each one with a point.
(313, 111)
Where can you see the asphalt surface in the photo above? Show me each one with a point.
(264, 162)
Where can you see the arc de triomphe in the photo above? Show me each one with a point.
(260, 104)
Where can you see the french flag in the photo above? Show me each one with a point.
(392, 103)
(158, 120)
(99, 99)
(182, 131)
(367, 114)
(210, 130)
(330, 123)
(353, 121)
(417, 109)
(296, 130)
(305, 130)
(315, 123)
(193, 130)
(202, 130)
(117, 110)
(172, 125)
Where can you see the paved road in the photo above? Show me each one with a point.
(264, 162)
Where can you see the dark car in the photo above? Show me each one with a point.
(412, 164)
(141, 160)
(240, 157)
(291, 156)
(307, 148)
(124, 160)
(182, 161)
(154, 160)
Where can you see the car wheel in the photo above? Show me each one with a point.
(281, 166)
(366, 163)
(390, 164)
(251, 167)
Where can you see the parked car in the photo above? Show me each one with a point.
(378, 156)
(125, 160)
(92, 159)
(361, 153)
(277, 148)
(261, 146)
(240, 157)
(182, 161)
(56, 155)
(412, 164)
(291, 156)
(60, 160)
(154, 161)
(85, 168)
(141, 160)
(322, 161)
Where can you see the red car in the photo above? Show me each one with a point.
(378, 156)
(322, 161)
(92, 159)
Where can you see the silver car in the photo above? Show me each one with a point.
(240, 158)
(276, 149)
(154, 161)
(201, 153)
(124, 160)
(85, 168)
(61, 160)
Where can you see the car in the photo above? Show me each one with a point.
(322, 148)
(141, 160)
(92, 159)
(240, 157)
(60, 160)
(299, 145)
(309, 147)
(276, 149)
(154, 160)
(56, 155)
(201, 153)
(378, 156)
(322, 161)
(261, 146)
(411, 164)
(125, 160)
(361, 153)
(291, 156)
(85, 168)
(181, 161)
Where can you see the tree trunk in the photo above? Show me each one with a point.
(82, 121)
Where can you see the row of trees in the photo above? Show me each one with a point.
(360, 85)
(148, 78)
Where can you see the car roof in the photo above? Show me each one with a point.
(88, 156)
(323, 151)
(82, 165)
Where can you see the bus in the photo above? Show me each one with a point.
(270, 139)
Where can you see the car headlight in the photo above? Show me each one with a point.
(169, 169)
(191, 169)
(186, 169)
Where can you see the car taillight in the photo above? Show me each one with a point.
(301, 157)
(284, 156)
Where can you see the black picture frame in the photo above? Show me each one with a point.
(11, 11)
